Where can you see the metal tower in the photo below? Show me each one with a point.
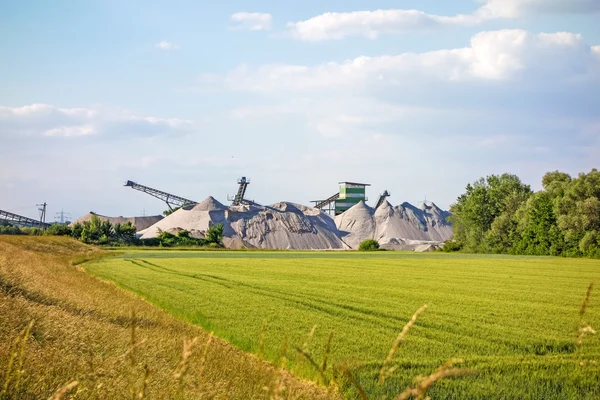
(62, 217)
(42, 210)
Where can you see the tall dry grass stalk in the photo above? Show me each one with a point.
(205, 354)
(346, 371)
(304, 349)
(63, 391)
(277, 387)
(385, 371)
(17, 354)
(321, 368)
(261, 340)
(326, 353)
(145, 382)
(131, 355)
(309, 338)
(585, 329)
(182, 366)
(446, 370)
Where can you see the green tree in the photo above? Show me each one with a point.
(538, 230)
(125, 233)
(484, 217)
(578, 213)
(57, 229)
(214, 234)
(76, 230)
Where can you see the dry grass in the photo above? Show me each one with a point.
(84, 342)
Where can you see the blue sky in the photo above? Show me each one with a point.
(417, 97)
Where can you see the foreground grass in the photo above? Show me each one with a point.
(514, 320)
(65, 333)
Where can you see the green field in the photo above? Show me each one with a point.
(514, 320)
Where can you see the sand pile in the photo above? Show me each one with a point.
(403, 227)
(140, 223)
(279, 226)
(356, 224)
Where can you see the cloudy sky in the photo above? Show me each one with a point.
(417, 97)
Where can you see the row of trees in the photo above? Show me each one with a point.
(500, 214)
(7, 229)
(102, 232)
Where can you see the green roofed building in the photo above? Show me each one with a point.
(351, 193)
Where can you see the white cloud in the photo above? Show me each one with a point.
(519, 8)
(338, 25)
(505, 55)
(165, 45)
(81, 130)
(252, 21)
(48, 120)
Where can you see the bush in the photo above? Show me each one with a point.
(57, 229)
(10, 230)
(369, 245)
(451, 246)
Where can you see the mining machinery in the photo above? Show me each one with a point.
(382, 197)
(19, 220)
(173, 201)
(240, 197)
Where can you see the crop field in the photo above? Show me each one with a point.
(513, 321)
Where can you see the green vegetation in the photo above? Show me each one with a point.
(96, 231)
(501, 215)
(513, 320)
(214, 236)
(7, 229)
(99, 232)
(170, 211)
(65, 332)
(369, 245)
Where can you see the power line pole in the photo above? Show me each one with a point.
(42, 211)
(62, 216)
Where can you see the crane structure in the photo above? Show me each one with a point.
(19, 220)
(173, 201)
(382, 197)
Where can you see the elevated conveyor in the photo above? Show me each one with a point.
(173, 201)
(19, 220)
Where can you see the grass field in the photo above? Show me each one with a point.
(513, 320)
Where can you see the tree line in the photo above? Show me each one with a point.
(102, 232)
(502, 215)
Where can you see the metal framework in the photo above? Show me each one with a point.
(240, 197)
(382, 197)
(171, 199)
(322, 204)
(19, 220)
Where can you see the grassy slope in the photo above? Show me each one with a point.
(514, 319)
(82, 331)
